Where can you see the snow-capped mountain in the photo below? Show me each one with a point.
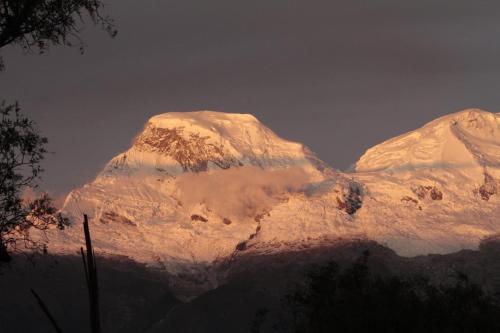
(434, 189)
(202, 187)
(194, 187)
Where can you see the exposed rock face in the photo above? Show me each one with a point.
(409, 199)
(196, 217)
(261, 216)
(351, 200)
(488, 188)
(411, 202)
(243, 246)
(191, 151)
(427, 192)
(110, 216)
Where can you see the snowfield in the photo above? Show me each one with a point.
(434, 190)
(200, 187)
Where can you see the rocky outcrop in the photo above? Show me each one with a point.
(427, 192)
(260, 216)
(409, 201)
(196, 217)
(488, 188)
(351, 200)
(110, 216)
(192, 151)
(242, 246)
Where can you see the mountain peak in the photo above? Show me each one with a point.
(194, 185)
(461, 140)
(204, 140)
(471, 118)
(202, 118)
(200, 186)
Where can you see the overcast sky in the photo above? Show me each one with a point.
(339, 76)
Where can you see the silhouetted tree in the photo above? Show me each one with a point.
(354, 300)
(22, 149)
(37, 24)
(33, 25)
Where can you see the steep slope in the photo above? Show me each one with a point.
(196, 187)
(198, 190)
(465, 143)
(434, 189)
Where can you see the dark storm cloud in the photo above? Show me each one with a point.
(339, 76)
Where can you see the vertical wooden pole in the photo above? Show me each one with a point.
(91, 278)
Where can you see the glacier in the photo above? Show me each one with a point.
(197, 188)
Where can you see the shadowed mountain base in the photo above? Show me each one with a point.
(251, 288)
(256, 285)
(132, 296)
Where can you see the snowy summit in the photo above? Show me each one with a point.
(197, 187)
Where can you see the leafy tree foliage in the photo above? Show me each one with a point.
(33, 25)
(37, 24)
(22, 149)
(354, 300)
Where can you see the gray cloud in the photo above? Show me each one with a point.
(239, 192)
